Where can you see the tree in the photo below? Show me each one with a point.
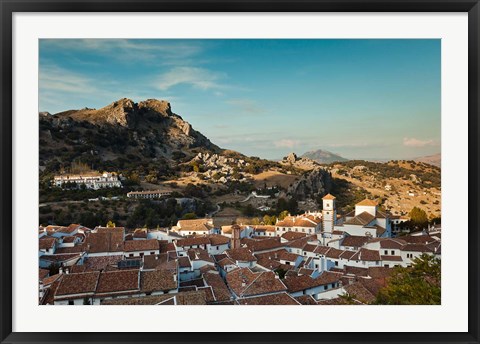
(110, 224)
(418, 217)
(189, 216)
(416, 285)
(283, 215)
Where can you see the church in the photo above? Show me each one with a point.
(366, 220)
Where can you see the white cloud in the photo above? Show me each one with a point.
(286, 143)
(413, 142)
(53, 78)
(200, 78)
(165, 51)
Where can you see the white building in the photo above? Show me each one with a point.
(365, 220)
(91, 180)
(149, 194)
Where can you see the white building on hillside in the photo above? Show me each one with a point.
(92, 180)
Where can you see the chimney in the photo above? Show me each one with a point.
(175, 277)
(60, 270)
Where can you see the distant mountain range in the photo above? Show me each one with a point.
(435, 160)
(323, 157)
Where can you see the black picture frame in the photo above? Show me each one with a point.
(8, 7)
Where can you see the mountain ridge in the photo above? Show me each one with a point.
(323, 156)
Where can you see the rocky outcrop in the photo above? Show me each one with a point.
(148, 129)
(301, 163)
(311, 185)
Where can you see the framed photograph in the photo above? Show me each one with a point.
(297, 172)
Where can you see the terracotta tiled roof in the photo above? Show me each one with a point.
(195, 225)
(193, 241)
(309, 248)
(83, 283)
(241, 254)
(225, 261)
(165, 247)
(269, 263)
(354, 241)
(333, 253)
(272, 299)
(70, 229)
(304, 282)
(183, 298)
(68, 250)
(293, 235)
(184, 262)
(298, 221)
(100, 229)
(416, 248)
(68, 239)
(141, 245)
(264, 228)
(104, 241)
(392, 258)
(262, 245)
(347, 254)
(418, 239)
(361, 219)
(46, 243)
(328, 197)
(359, 292)
(380, 272)
(49, 280)
(220, 289)
(157, 280)
(322, 250)
(392, 243)
(58, 258)
(367, 255)
(216, 239)
(140, 233)
(101, 263)
(245, 283)
(118, 281)
(43, 273)
(353, 270)
(367, 202)
(306, 300)
(199, 254)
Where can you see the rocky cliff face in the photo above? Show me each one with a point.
(148, 130)
(311, 185)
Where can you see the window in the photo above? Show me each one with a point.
(70, 302)
(325, 287)
(333, 285)
(386, 265)
(336, 263)
(218, 247)
(385, 252)
(316, 266)
(152, 252)
(393, 252)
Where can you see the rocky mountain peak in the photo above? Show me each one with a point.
(161, 106)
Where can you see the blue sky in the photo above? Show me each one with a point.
(362, 99)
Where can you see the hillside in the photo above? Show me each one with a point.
(119, 136)
(323, 157)
(435, 160)
(398, 184)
